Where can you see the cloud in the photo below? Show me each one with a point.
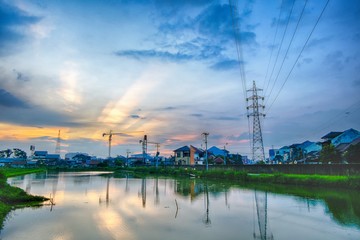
(335, 60)
(199, 115)
(134, 116)
(151, 54)
(203, 37)
(16, 111)
(13, 19)
(242, 136)
(169, 108)
(9, 100)
(225, 65)
(20, 76)
(227, 118)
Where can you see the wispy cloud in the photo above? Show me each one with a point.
(151, 54)
(11, 101)
(203, 37)
(12, 20)
(225, 65)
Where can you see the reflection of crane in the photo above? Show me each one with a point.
(111, 133)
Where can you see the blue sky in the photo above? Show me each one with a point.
(171, 69)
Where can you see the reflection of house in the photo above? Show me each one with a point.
(188, 155)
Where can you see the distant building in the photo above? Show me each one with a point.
(337, 138)
(71, 155)
(188, 155)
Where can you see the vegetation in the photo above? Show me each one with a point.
(353, 154)
(13, 197)
(349, 182)
(329, 154)
(18, 153)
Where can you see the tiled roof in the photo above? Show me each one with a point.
(331, 135)
(182, 149)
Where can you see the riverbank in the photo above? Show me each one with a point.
(13, 197)
(312, 180)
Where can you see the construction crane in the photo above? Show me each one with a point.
(111, 133)
(144, 143)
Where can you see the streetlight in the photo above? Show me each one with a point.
(206, 134)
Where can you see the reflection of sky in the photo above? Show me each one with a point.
(79, 213)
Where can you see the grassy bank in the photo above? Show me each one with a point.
(348, 182)
(13, 197)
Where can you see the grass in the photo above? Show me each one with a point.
(13, 197)
(334, 181)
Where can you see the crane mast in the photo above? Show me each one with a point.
(111, 133)
(144, 143)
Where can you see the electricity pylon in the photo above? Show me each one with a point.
(257, 139)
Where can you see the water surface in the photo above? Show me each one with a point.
(90, 205)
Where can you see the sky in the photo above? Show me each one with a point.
(173, 70)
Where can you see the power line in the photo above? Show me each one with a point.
(237, 38)
(339, 116)
(278, 53)
(287, 50)
(297, 59)
(236, 28)
(273, 44)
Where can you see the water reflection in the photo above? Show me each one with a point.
(262, 218)
(110, 207)
(206, 219)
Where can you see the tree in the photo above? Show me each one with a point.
(6, 153)
(18, 153)
(329, 154)
(352, 155)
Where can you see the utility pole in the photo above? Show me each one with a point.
(127, 157)
(225, 153)
(257, 140)
(206, 134)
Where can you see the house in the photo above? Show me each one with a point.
(138, 159)
(346, 137)
(218, 160)
(188, 155)
(12, 162)
(218, 152)
(337, 138)
(46, 158)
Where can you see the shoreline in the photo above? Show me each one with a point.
(13, 197)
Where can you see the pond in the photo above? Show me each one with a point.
(101, 205)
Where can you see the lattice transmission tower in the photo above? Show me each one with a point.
(257, 139)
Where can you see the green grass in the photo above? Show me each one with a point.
(13, 197)
(348, 182)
